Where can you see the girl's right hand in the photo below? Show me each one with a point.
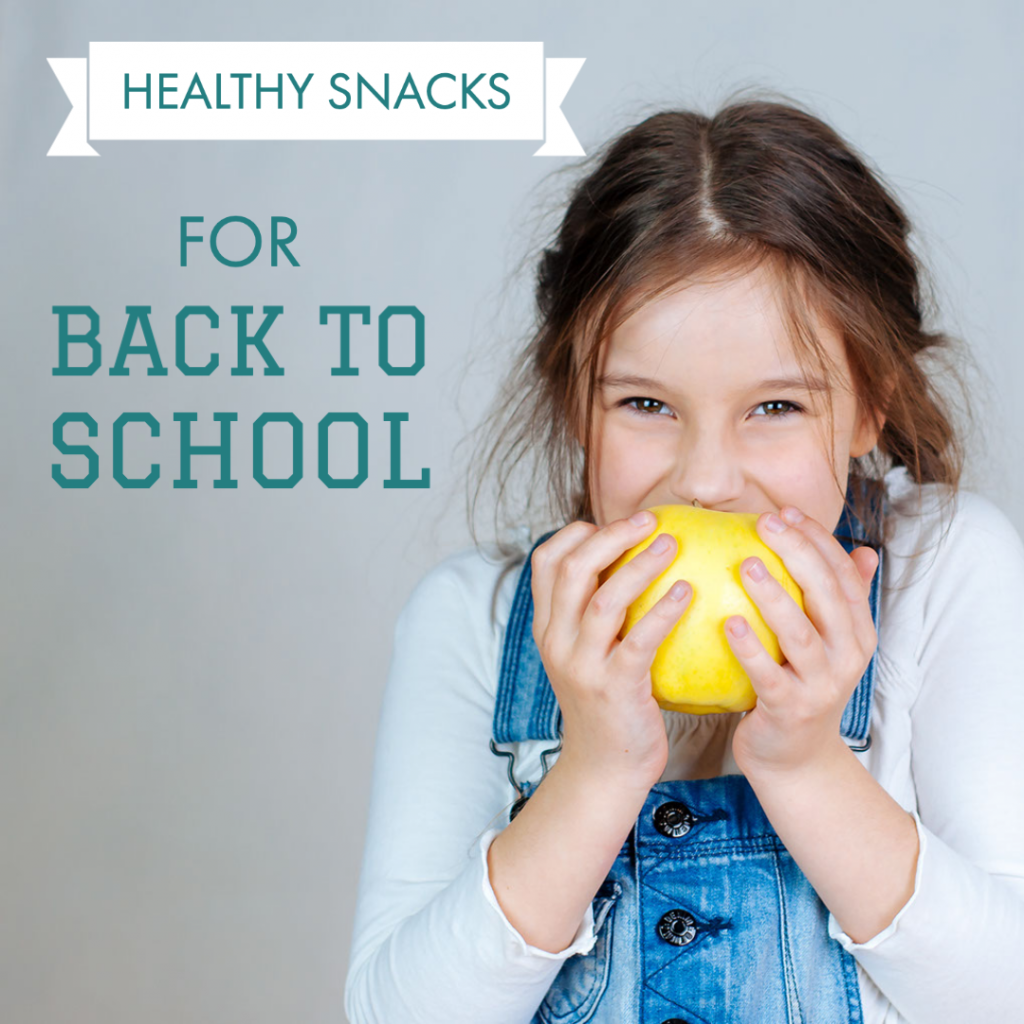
(612, 725)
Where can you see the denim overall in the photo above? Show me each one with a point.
(709, 918)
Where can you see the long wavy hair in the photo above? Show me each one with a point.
(681, 196)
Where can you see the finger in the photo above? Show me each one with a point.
(606, 610)
(772, 683)
(635, 652)
(867, 564)
(576, 573)
(825, 599)
(848, 570)
(800, 641)
(867, 561)
(543, 565)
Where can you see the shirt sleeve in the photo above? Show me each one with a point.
(430, 943)
(953, 952)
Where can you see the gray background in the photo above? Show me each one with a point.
(191, 679)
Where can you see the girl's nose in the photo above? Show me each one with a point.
(707, 473)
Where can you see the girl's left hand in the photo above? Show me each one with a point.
(800, 703)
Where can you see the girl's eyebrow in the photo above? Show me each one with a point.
(630, 380)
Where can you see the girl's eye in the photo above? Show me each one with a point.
(644, 408)
(792, 406)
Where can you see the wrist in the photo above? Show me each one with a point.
(630, 782)
(813, 764)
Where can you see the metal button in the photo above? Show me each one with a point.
(674, 819)
(674, 1020)
(677, 927)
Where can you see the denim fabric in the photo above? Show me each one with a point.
(704, 918)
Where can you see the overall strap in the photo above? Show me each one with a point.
(856, 722)
(526, 708)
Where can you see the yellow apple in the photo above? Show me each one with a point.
(694, 669)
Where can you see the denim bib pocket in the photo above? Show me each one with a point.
(579, 985)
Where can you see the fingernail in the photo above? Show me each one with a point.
(757, 571)
(792, 515)
(738, 627)
(679, 590)
(775, 524)
(641, 518)
(662, 544)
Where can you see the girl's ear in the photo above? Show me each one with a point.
(870, 424)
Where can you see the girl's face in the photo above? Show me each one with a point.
(718, 409)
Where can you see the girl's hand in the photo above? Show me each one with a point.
(800, 703)
(613, 726)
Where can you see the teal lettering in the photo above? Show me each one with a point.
(467, 90)
(362, 430)
(430, 86)
(498, 88)
(409, 83)
(282, 242)
(221, 106)
(186, 419)
(64, 338)
(382, 341)
(360, 82)
(138, 315)
(92, 475)
(257, 241)
(243, 369)
(154, 431)
(257, 449)
(167, 88)
(338, 88)
(261, 88)
(395, 480)
(345, 370)
(241, 76)
(138, 88)
(186, 237)
(300, 89)
(195, 84)
(179, 341)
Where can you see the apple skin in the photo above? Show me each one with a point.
(694, 670)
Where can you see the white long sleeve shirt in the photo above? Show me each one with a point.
(431, 944)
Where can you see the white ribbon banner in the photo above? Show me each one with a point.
(357, 91)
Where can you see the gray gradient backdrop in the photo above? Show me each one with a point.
(191, 678)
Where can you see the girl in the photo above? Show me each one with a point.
(729, 316)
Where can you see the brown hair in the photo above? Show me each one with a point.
(682, 195)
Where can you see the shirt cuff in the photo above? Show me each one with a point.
(846, 942)
(582, 942)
